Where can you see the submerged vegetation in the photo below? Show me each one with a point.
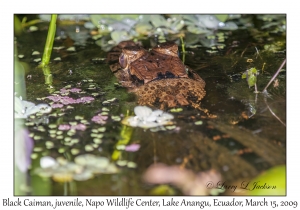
(87, 129)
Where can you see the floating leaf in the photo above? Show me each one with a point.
(143, 28)
(116, 118)
(120, 147)
(75, 151)
(83, 176)
(121, 162)
(222, 18)
(199, 122)
(176, 110)
(159, 20)
(131, 165)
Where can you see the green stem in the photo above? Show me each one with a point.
(183, 49)
(48, 75)
(49, 41)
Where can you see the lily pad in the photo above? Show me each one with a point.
(83, 176)
(46, 162)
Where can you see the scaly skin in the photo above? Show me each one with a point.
(157, 76)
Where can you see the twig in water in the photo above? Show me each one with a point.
(275, 75)
(263, 68)
(244, 51)
(234, 64)
(255, 89)
(257, 52)
(273, 113)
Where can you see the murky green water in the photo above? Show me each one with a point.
(244, 140)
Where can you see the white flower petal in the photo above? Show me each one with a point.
(42, 108)
(145, 124)
(151, 118)
(133, 121)
(157, 112)
(47, 161)
(168, 116)
(146, 118)
(142, 112)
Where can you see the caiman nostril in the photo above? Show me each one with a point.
(160, 75)
(169, 74)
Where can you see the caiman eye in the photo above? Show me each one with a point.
(123, 60)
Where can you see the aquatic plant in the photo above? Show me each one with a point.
(100, 119)
(66, 100)
(64, 127)
(49, 41)
(251, 77)
(146, 118)
(23, 108)
(84, 167)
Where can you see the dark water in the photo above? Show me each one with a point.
(236, 145)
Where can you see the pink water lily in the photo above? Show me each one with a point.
(68, 100)
(85, 99)
(62, 99)
(65, 100)
(100, 119)
(80, 127)
(75, 90)
(63, 91)
(64, 127)
(54, 98)
(132, 147)
(57, 106)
